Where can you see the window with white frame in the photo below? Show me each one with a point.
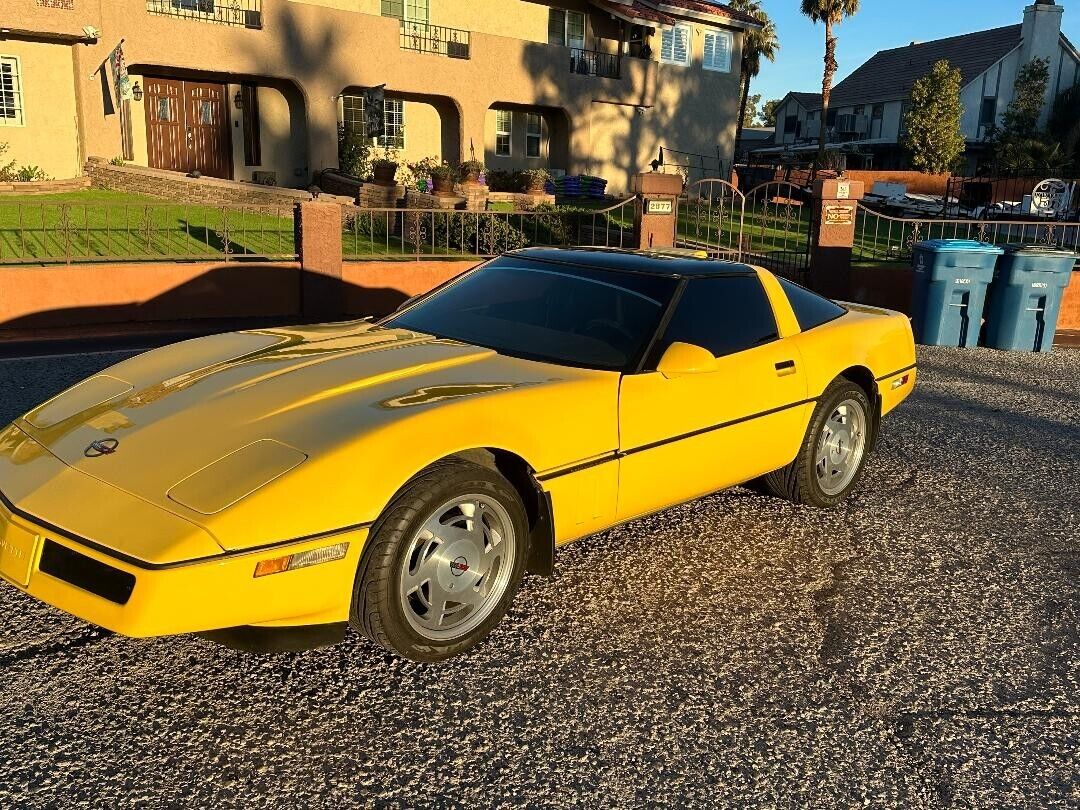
(504, 122)
(352, 117)
(534, 135)
(418, 11)
(11, 99)
(675, 45)
(717, 51)
(566, 28)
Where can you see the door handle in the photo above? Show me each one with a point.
(785, 367)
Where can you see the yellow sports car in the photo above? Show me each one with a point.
(268, 488)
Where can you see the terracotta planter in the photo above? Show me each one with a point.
(471, 179)
(537, 188)
(385, 173)
(443, 186)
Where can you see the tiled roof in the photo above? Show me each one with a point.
(709, 7)
(889, 75)
(635, 12)
(811, 101)
(660, 11)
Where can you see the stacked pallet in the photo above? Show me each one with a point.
(579, 186)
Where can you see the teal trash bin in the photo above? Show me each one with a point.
(949, 290)
(1025, 298)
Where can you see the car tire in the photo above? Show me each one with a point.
(833, 454)
(457, 529)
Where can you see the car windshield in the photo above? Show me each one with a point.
(557, 313)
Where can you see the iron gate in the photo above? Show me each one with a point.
(770, 225)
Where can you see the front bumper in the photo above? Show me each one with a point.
(116, 561)
(185, 597)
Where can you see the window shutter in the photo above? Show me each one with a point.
(718, 51)
(681, 54)
(556, 26)
(710, 50)
(667, 44)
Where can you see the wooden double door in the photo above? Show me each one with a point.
(187, 127)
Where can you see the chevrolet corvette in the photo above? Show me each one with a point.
(269, 488)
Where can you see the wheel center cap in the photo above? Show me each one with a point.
(458, 566)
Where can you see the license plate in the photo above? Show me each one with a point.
(17, 549)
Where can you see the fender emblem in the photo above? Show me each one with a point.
(101, 447)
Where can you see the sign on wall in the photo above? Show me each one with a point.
(839, 215)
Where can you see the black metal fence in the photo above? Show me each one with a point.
(379, 233)
(594, 63)
(64, 233)
(423, 38)
(879, 237)
(769, 225)
(242, 13)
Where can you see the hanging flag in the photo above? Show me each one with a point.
(374, 111)
(120, 73)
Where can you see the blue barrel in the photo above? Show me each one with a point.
(949, 290)
(1025, 298)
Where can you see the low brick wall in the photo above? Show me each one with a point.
(46, 186)
(96, 294)
(341, 185)
(197, 191)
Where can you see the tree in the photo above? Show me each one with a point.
(768, 112)
(831, 13)
(758, 43)
(1064, 126)
(934, 138)
(750, 110)
(1021, 118)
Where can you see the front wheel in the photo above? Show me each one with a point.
(833, 453)
(443, 563)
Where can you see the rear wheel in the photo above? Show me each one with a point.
(833, 453)
(443, 563)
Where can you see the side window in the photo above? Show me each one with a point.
(724, 315)
(810, 308)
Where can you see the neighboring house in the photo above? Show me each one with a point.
(256, 89)
(751, 138)
(867, 108)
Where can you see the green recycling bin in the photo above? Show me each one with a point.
(1025, 297)
(949, 290)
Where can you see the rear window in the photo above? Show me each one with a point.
(810, 308)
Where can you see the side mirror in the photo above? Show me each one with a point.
(681, 359)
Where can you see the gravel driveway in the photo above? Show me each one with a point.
(916, 647)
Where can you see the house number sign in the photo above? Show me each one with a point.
(660, 207)
(839, 215)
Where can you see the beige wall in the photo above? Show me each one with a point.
(48, 137)
(614, 126)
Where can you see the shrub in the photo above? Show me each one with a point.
(477, 234)
(503, 180)
(354, 153)
(535, 178)
(7, 170)
(442, 171)
(30, 174)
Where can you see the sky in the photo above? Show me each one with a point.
(880, 24)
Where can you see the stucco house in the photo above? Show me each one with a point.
(867, 108)
(256, 89)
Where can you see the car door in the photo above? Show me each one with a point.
(685, 435)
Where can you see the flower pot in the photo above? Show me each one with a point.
(385, 173)
(443, 186)
(471, 178)
(537, 188)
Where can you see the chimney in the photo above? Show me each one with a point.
(1041, 35)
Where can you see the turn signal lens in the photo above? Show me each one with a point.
(901, 382)
(305, 559)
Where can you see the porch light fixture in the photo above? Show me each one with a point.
(238, 100)
(136, 92)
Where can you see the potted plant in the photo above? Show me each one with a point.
(384, 167)
(535, 180)
(442, 179)
(471, 171)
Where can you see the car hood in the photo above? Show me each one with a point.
(283, 397)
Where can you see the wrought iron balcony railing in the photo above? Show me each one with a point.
(437, 39)
(594, 63)
(241, 13)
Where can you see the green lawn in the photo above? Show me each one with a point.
(95, 224)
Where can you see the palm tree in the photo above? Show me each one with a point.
(830, 12)
(758, 43)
